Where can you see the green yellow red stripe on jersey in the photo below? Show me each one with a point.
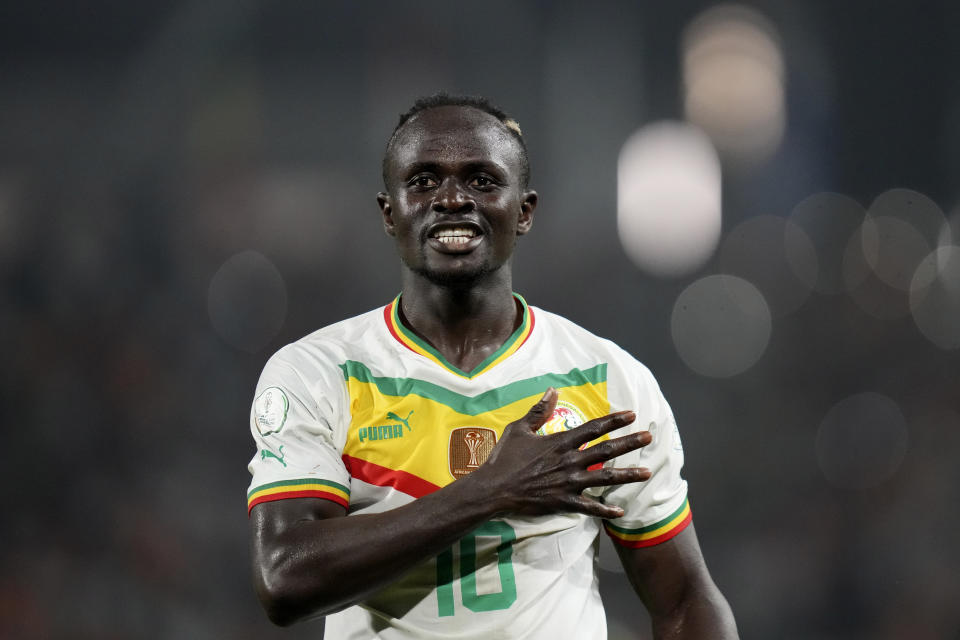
(415, 459)
(391, 314)
(303, 488)
(652, 534)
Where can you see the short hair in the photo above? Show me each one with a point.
(476, 102)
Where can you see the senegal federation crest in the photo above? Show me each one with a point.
(565, 416)
(469, 448)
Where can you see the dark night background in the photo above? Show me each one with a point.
(186, 187)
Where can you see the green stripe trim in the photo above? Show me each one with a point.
(480, 403)
(649, 527)
(291, 483)
(407, 333)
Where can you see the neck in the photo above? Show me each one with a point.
(465, 324)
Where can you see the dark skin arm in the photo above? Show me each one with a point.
(672, 580)
(309, 560)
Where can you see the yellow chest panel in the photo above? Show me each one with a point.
(419, 429)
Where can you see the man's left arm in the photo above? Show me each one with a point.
(672, 580)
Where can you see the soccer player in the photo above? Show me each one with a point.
(441, 467)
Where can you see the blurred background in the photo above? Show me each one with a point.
(759, 201)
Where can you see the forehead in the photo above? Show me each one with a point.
(454, 135)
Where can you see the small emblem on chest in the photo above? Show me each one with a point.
(469, 448)
(565, 416)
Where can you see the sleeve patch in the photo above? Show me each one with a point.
(270, 410)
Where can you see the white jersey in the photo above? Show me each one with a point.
(366, 414)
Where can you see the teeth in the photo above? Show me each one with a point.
(455, 237)
(447, 233)
(453, 240)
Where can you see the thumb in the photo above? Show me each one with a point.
(541, 412)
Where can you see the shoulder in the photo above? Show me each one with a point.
(309, 372)
(630, 382)
(563, 331)
(323, 352)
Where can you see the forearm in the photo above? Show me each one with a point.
(315, 567)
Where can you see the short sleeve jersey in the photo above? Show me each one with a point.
(366, 414)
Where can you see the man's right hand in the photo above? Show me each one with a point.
(531, 474)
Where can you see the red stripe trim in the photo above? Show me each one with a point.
(372, 473)
(388, 319)
(636, 544)
(533, 321)
(311, 493)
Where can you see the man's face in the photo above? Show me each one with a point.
(455, 203)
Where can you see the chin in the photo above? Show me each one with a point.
(455, 278)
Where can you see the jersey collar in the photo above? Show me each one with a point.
(416, 344)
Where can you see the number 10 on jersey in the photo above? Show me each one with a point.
(468, 572)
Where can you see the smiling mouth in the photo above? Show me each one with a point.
(454, 237)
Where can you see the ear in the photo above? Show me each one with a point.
(383, 200)
(527, 206)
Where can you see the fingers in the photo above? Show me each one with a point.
(610, 449)
(597, 427)
(542, 411)
(587, 506)
(606, 477)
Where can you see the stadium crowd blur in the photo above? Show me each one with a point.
(759, 201)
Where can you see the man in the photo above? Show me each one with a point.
(441, 467)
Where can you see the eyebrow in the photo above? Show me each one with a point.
(418, 167)
(468, 167)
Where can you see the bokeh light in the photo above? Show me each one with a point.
(912, 207)
(902, 227)
(668, 198)
(720, 325)
(829, 221)
(733, 76)
(861, 441)
(247, 301)
(893, 248)
(765, 251)
(950, 231)
(874, 296)
(935, 297)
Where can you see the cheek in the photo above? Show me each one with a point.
(509, 216)
(412, 208)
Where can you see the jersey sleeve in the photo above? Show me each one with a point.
(293, 424)
(655, 510)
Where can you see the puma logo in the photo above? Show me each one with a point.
(264, 454)
(392, 416)
(386, 431)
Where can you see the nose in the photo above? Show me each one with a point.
(452, 197)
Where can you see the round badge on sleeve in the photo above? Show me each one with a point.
(270, 410)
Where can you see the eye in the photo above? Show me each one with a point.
(423, 181)
(482, 182)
